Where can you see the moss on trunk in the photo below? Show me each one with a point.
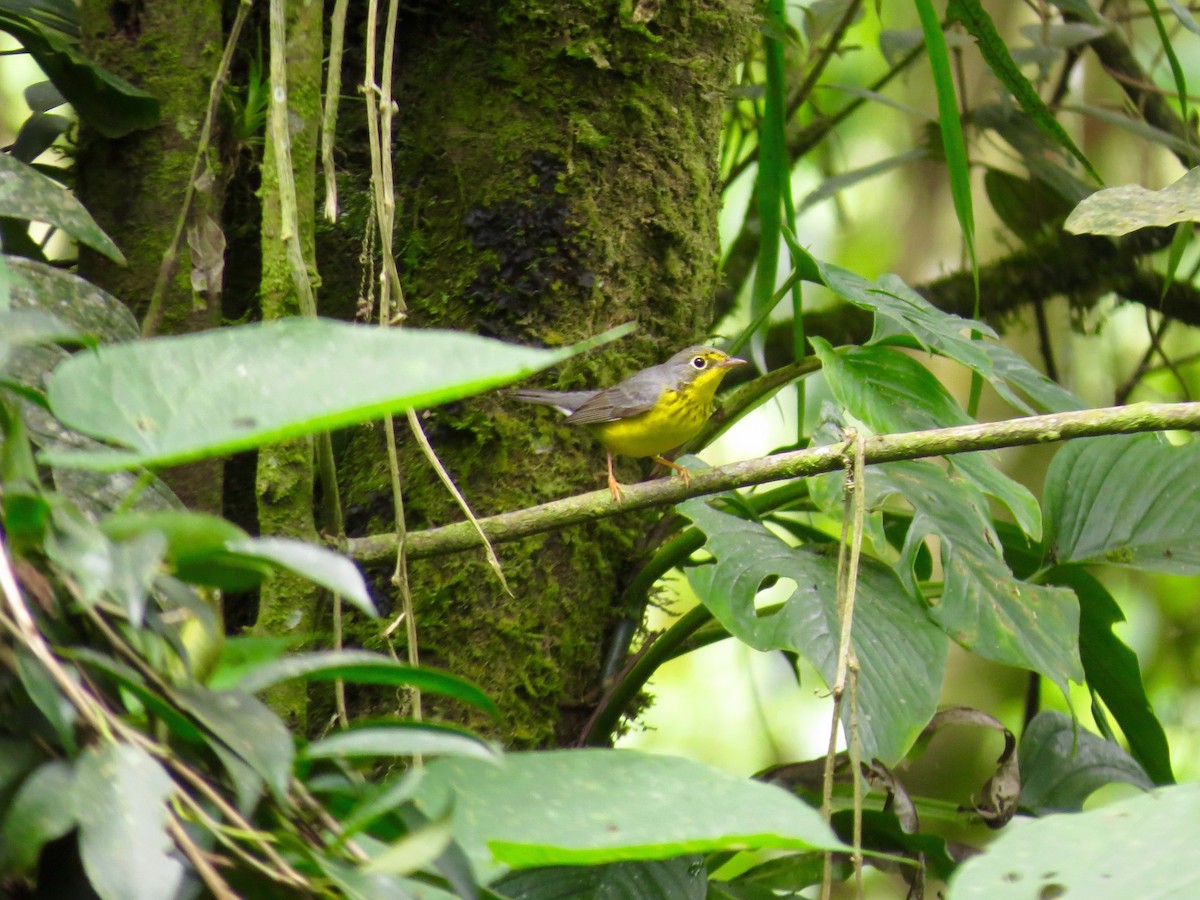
(556, 175)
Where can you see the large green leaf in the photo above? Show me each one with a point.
(42, 811)
(982, 605)
(900, 652)
(1141, 847)
(25, 193)
(1061, 765)
(1112, 671)
(1130, 500)
(360, 667)
(583, 807)
(892, 392)
(172, 400)
(121, 800)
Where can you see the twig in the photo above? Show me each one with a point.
(208, 874)
(333, 89)
(599, 504)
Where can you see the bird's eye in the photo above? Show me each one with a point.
(699, 362)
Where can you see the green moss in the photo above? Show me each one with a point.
(544, 198)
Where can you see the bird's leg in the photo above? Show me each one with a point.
(614, 486)
(683, 472)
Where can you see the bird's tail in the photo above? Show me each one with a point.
(565, 402)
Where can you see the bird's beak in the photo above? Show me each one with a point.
(730, 362)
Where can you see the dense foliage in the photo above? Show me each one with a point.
(145, 754)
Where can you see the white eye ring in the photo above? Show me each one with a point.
(699, 362)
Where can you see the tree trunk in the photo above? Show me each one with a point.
(556, 175)
(134, 186)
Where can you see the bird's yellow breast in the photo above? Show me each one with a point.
(676, 417)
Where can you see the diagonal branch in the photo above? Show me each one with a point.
(558, 514)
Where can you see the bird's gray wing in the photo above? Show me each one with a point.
(565, 402)
(635, 395)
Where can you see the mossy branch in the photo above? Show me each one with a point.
(795, 464)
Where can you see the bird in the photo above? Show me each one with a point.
(650, 412)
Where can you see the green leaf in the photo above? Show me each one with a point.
(177, 399)
(361, 667)
(1140, 847)
(892, 392)
(43, 810)
(242, 653)
(1128, 207)
(18, 757)
(958, 165)
(106, 102)
(247, 727)
(585, 807)
(37, 134)
(43, 691)
(25, 193)
(1024, 205)
(1062, 764)
(197, 546)
(682, 878)
(414, 851)
(982, 605)
(1112, 671)
(901, 654)
(400, 739)
(994, 50)
(900, 309)
(121, 801)
(60, 15)
(319, 565)
(1012, 373)
(1129, 500)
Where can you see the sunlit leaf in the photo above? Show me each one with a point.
(319, 565)
(172, 400)
(1120, 210)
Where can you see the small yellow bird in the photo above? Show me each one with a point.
(651, 411)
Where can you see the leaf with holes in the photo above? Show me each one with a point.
(901, 653)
